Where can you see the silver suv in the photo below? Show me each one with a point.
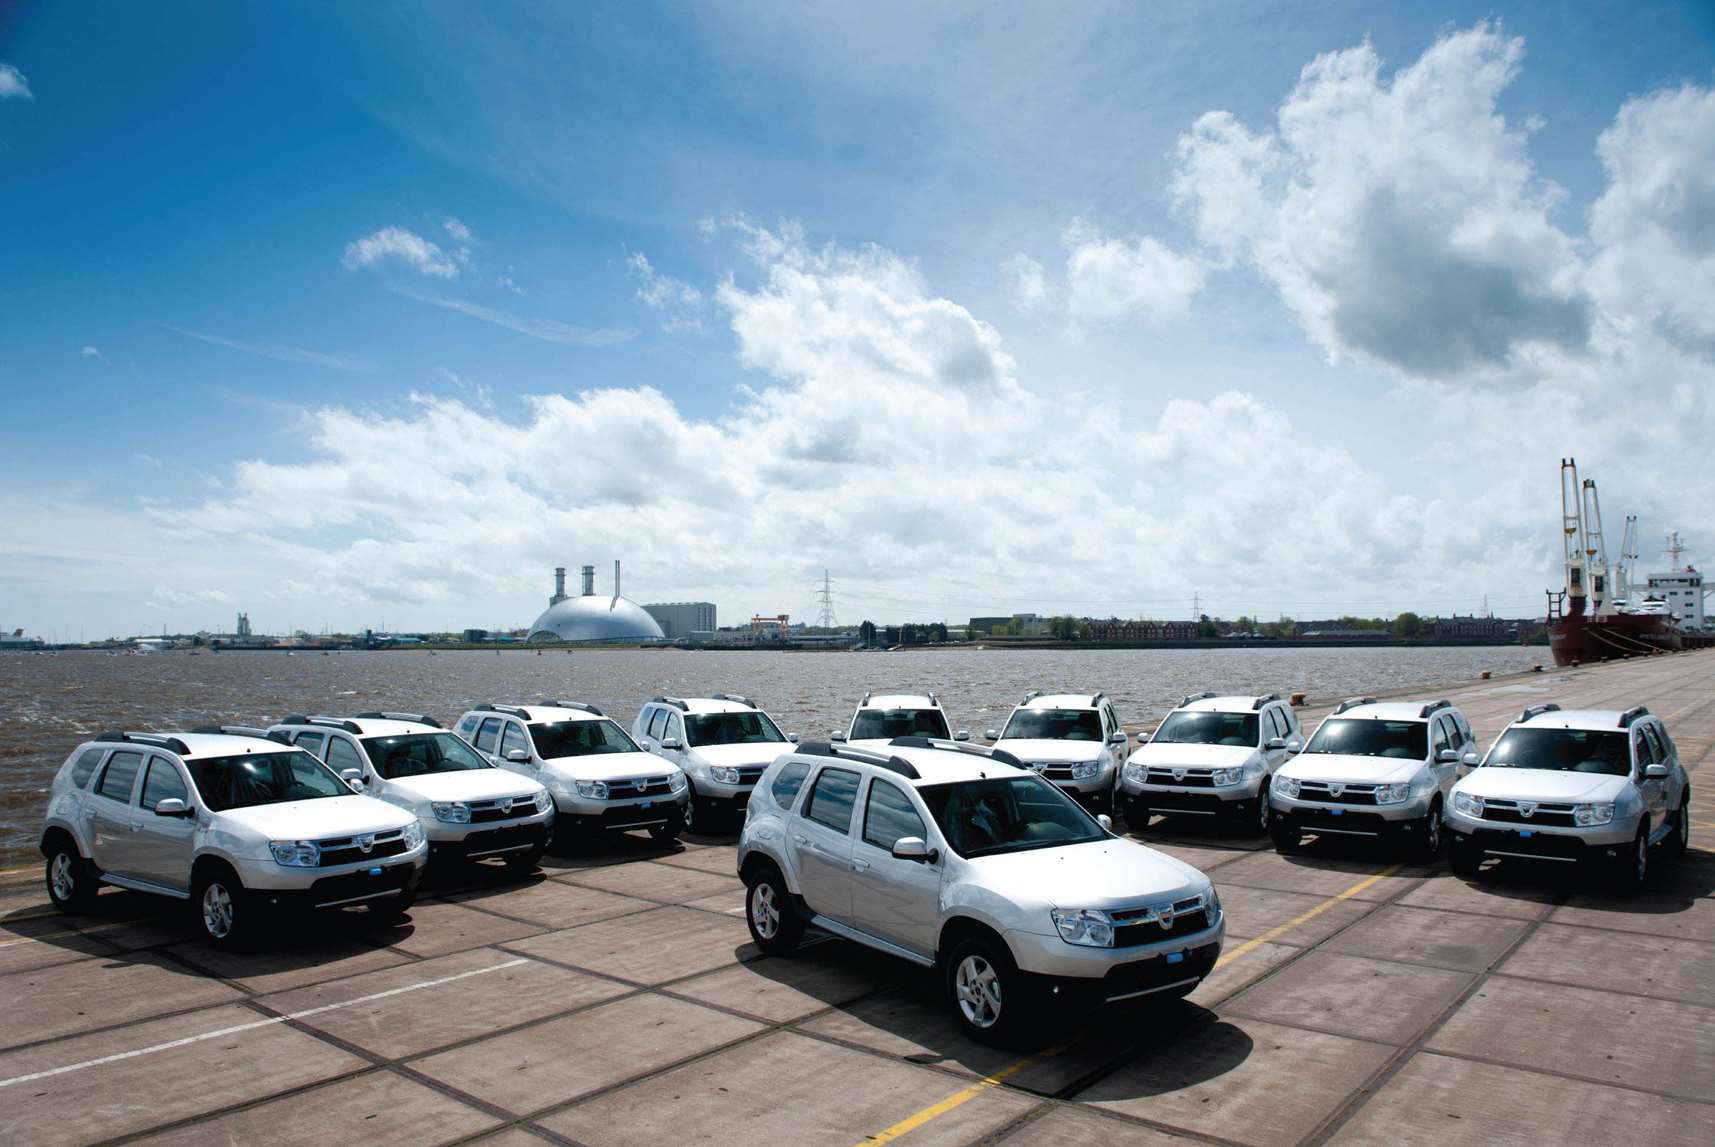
(240, 824)
(722, 743)
(599, 778)
(956, 856)
(470, 810)
(1382, 771)
(1597, 785)
(880, 717)
(1211, 757)
(1073, 739)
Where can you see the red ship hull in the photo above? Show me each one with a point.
(1578, 639)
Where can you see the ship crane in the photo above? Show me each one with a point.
(1595, 550)
(1572, 527)
(1623, 572)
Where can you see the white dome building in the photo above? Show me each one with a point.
(593, 619)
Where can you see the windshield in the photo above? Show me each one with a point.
(1054, 725)
(731, 729)
(418, 754)
(1203, 728)
(1562, 750)
(580, 739)
(1408, 740)
(886, 724)
(1008, 814)
(263, 778)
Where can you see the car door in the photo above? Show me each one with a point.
(488, 738)
(108, 813)
(162, 845)
(1653, 792)
(821, 843)
(895, 899)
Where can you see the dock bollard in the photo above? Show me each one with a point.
(1483, 676)
(1298, 700)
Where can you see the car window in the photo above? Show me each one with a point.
(886, 724)
(1641, 750)
(556, 739)
(342, 756)
(1465, 734)
(263, 778)
(512, 738)
(748, 728)
(1563, 750)
(889, 816)
(657, 724)
(788, 781)
(1207, 728)
(120, 774)
(1278, 722)
(1007, 814)
(831, 799)
(490, 733)
(1656, 748)
(1054, 725)
(675, 730)
(468, 726)
(1441, 739)
(310, 742)
(161, 782)
(418, 754)
(85, 766)
(1371, 737)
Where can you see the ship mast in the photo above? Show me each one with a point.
(1595, 549)
(1572, 525)
(1628, 563)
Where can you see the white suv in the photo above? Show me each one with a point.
(722, 742)
(951, 855)
(1073, 739)
(1214, 757)
(470, 810)
(1598, 785)
(880, 717)
(1383, 771)
(599, 778)
(236, 823)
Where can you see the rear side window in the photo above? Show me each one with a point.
(85, 766)
(889, 816)
(831, 799)
(657, 724)
(788, 781)
(486, 739)
(162, 781)
(118, 777)
(310, 742)
(512, 738)
(467, 727)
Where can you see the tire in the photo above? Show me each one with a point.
(696, 818)
(1262, 817)
(775, 926)
(71, 884)
(1464, 859)
(1287, 837)
(528, 861)
(1136, 817)
(664, 833)
(1680, 838)
(1631, 871)
(224, 910)
(1425, 846)
(985, 992)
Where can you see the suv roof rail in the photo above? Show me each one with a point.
(1435, 707)
(578, 705)
(509, 710)
(866, 696)
(989, 751)
(1031, 696)
(933, 700)
(1351, 703)
(1539, 710)
(243, 731)
(1265, 699)
(880, 760)
(394, 715)
(1096, 699)
(678, 704)
(160, 740)
(1631, 715)
(736, 698)
(1191, 697)
(340, 723)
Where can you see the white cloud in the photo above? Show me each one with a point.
(396, 244)
(548, 330)
(681, 302)
(1110, 279)
(457, 231)
(92, 352)
(1026, 282)
(1401, 220)
(13, 85)
(277, 352)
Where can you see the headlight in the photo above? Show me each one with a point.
(1214, 904)
(1392, 794)
(1088, 927)
(1135, 771)
(724, 774)
(1286, 787)
(1227, 776)
(296, 853)
(1586, 815)
(1084, 770)
(453, 812)
(592, 790)
(676, 782)
(544, 801)
(1467, 804)
(413, 834)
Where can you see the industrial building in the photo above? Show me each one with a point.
(591, 618)
(684, 620)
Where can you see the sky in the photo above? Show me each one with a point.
(370, 315)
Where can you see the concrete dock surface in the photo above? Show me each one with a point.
(616, 999)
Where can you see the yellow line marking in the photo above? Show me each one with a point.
(988, 1082)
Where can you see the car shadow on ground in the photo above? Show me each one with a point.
(1675, 883)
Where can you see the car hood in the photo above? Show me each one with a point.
(317, 819)
(1542, 785)
(607, 767)
(1030, 749)
(468, 785)
(1112, 873)
(1192, 756)
(759, 753)
(1351, 770)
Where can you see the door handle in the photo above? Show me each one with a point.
(797, 839)
(860, 865)
(136, 826)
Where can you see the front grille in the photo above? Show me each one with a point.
(1188, 916)
(1323, 791)
(1192, 778)
(332, 889)
(512, 836)
(1512, 812)
(349, 850)
(504, 808)
(634, 787)
(750, 774)
(1536, 844)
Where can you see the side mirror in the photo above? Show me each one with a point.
(1651, 773)
(352, 777)
(1118, 737)
(836, 735)
(1106, 821)
(792, 737)
(991, 734)
(671, 744)
(1470, 760)
(1294, 745)
(962, 735)
(172, 806)
(1448, 756)
(1142, 737)
(517, 756)
(1274, 744)
(914, 848)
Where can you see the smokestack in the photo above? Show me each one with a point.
(559, 585)
(615, 577)
(589, 580)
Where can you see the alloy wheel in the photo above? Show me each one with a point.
(63, 876)
(1684, 826)
(764, 912)
(1432, 831)
(978, 989)
(1640, 858)
(1262, 809)
(217, 910)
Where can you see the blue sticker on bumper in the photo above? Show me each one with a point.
(1335, 811)
(1176, 957)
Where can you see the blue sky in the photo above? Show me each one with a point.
(182, 187)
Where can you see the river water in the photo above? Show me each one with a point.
(50, 702)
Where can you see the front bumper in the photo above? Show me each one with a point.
(492, 840)
(1189, 800)
(350, 885)
(268, 879)
(1053, 957)
(443, 833)
(1605, 842)
(569, 805)
(628, 816)
(1350, 818)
